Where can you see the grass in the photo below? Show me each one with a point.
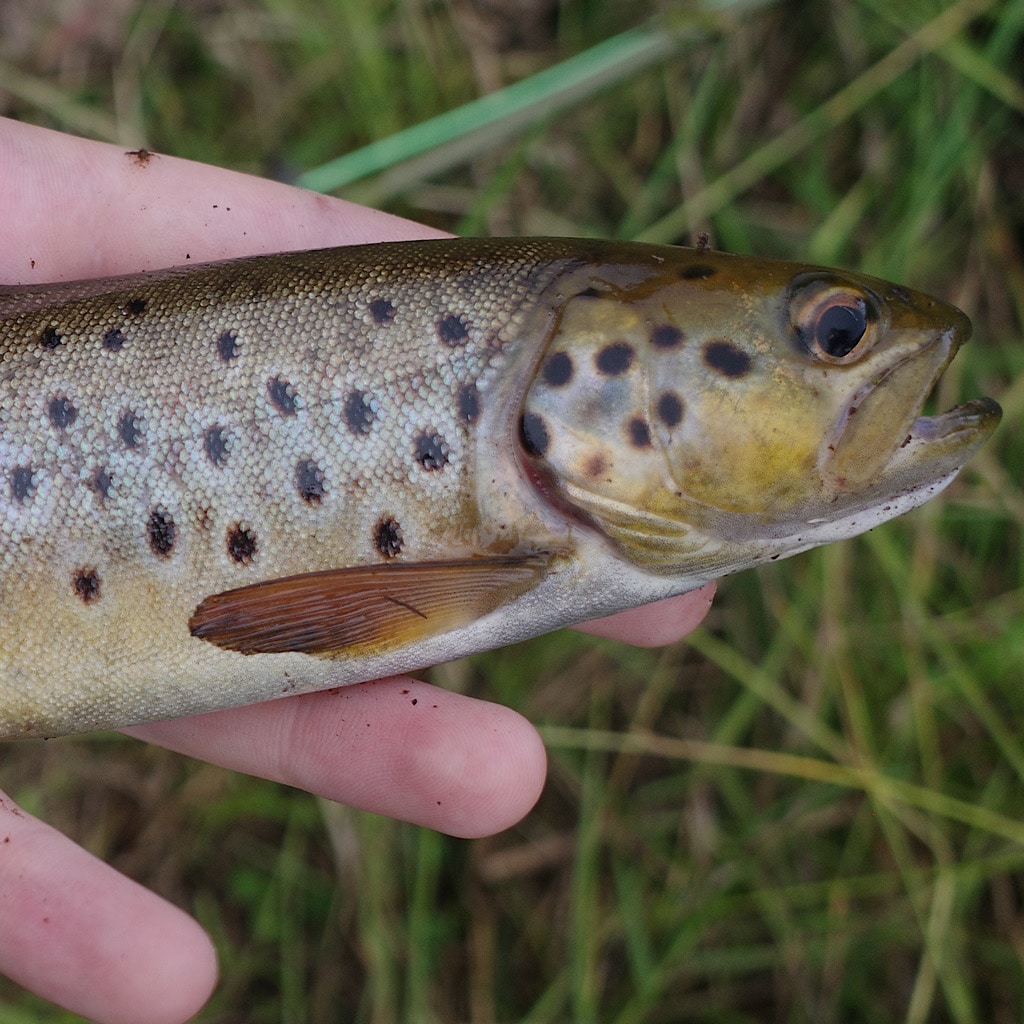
(811, 811)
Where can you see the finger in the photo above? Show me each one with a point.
(657, 624)
(397, 746)
(79, 934)
(75, 208)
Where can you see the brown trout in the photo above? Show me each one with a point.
(230, 482)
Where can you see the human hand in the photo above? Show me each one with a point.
(71, 928)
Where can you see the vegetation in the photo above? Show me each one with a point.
(812, 810)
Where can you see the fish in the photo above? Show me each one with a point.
(229, 482)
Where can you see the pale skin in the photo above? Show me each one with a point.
(71, 928)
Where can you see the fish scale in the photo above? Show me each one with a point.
(230, 482)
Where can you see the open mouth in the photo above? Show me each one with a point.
(977, 418)
(885, 442)
(937, 447)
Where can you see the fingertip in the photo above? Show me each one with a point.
(183, 974)
(79, 934)
(418, 753)
(655, 625)
(489, 783)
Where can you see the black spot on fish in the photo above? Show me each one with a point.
(136, 307)
(100, 482)
(589, 293)
(359, 412)
(129, 429)
(467, 400)
(597, 465)
(558, 369)
(241, 543)
(61, 412)
(453, 330)
(162, 532)
(23, 482)
(670, 409)
(228, 346)
(382, 311)
(615, 359)
(387, 537)
(215, 444)
(431, 451)
(639, 433)
(113, 340)
(666, 336)
(533, 432)
(309, 480)
(698, 272)
(283, 396)
(50, 339)
(726, 358)
(86, 584)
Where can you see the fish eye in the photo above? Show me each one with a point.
(834, 321)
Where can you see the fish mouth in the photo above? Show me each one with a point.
(885, 444)
(938, 446)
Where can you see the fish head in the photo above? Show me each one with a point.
(721, 411)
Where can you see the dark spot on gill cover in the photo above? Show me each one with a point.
(61, 412)
(597, 465)
(639, 433)
(382, 311)
(162, 531)
(726, 358)
(215, 444)
(129, 429)
(282, 395)
(698, 272)
(309, 481)
(614, 359)
(86, 584)
(113, 340)
(558, 369)
(241, 544)
(22, 482)
(50, 339)
(533, 433)
(453, 330)
(358, 412)
(467, 401)
(228, 346)
(431, 451)
(670, 409)
(666, 336)
(387, 537)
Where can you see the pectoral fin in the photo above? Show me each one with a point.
(362, 609)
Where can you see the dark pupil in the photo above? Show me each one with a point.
(840, 329)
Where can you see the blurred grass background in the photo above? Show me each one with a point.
(814, 809)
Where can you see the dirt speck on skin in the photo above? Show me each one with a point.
(11, 808)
